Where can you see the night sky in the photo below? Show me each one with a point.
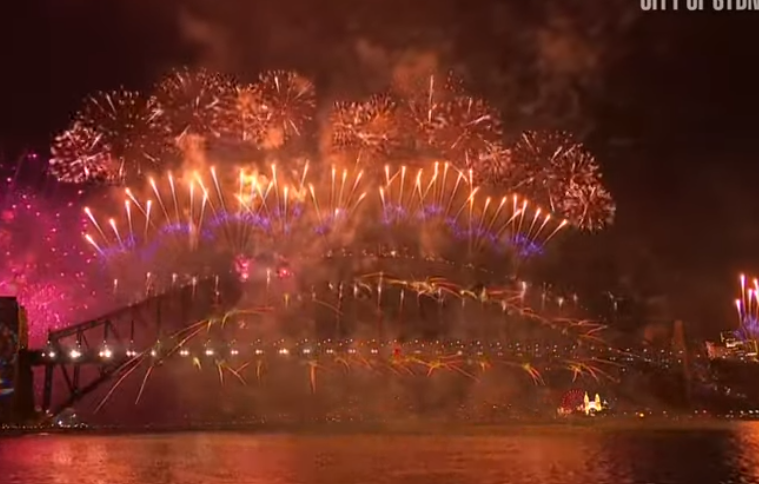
(667, 101)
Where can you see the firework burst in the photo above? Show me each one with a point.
(492, 166)
(191, 100)
(424, 105)
(241, 115)
(370, 129)
(466, 128)
(557, 170)
(79, 155)
(288, 103)
(132, 126)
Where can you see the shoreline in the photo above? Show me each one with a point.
(403, 428)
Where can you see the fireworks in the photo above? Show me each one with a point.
(264, 114)
(424, 106)
(430, 213)
(122, 133)
(241, 116)
(492, 166)
(132, 126)
(466, 128)
(288, 102)
(558, 171)
(80, 155)
(190, 100)
(447, 197)
(369, 128)
(116, 136)
(747, 306)
(44, 262)
(339, 254)
(394, 244)
(440, 120)
(305, 252)
(249, 361)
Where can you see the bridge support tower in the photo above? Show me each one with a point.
(680, 351)
(17, 404)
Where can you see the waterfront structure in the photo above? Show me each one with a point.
(592, 407)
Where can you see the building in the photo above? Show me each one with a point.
(592, 407)
(732, 348)
(578, 402)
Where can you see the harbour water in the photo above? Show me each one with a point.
(714, 454)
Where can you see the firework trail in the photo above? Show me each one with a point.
(247, 360)
(276, 211)
(232, 214)
(248, 363)
(448, 197)
(747, 306)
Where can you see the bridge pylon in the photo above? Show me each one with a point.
(680, 349)
(17, 400)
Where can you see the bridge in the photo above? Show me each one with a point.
(108, 345)
(79, 359)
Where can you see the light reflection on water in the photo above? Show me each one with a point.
(543, 455)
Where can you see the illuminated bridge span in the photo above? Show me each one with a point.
(79, 359)
(107, 345)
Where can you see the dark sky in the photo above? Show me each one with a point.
(667, 101)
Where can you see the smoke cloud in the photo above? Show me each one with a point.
(534, 63)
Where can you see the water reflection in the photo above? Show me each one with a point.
(746, 458)
(673, 456)
(545, 455)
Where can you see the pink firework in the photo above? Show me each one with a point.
(43, 262)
